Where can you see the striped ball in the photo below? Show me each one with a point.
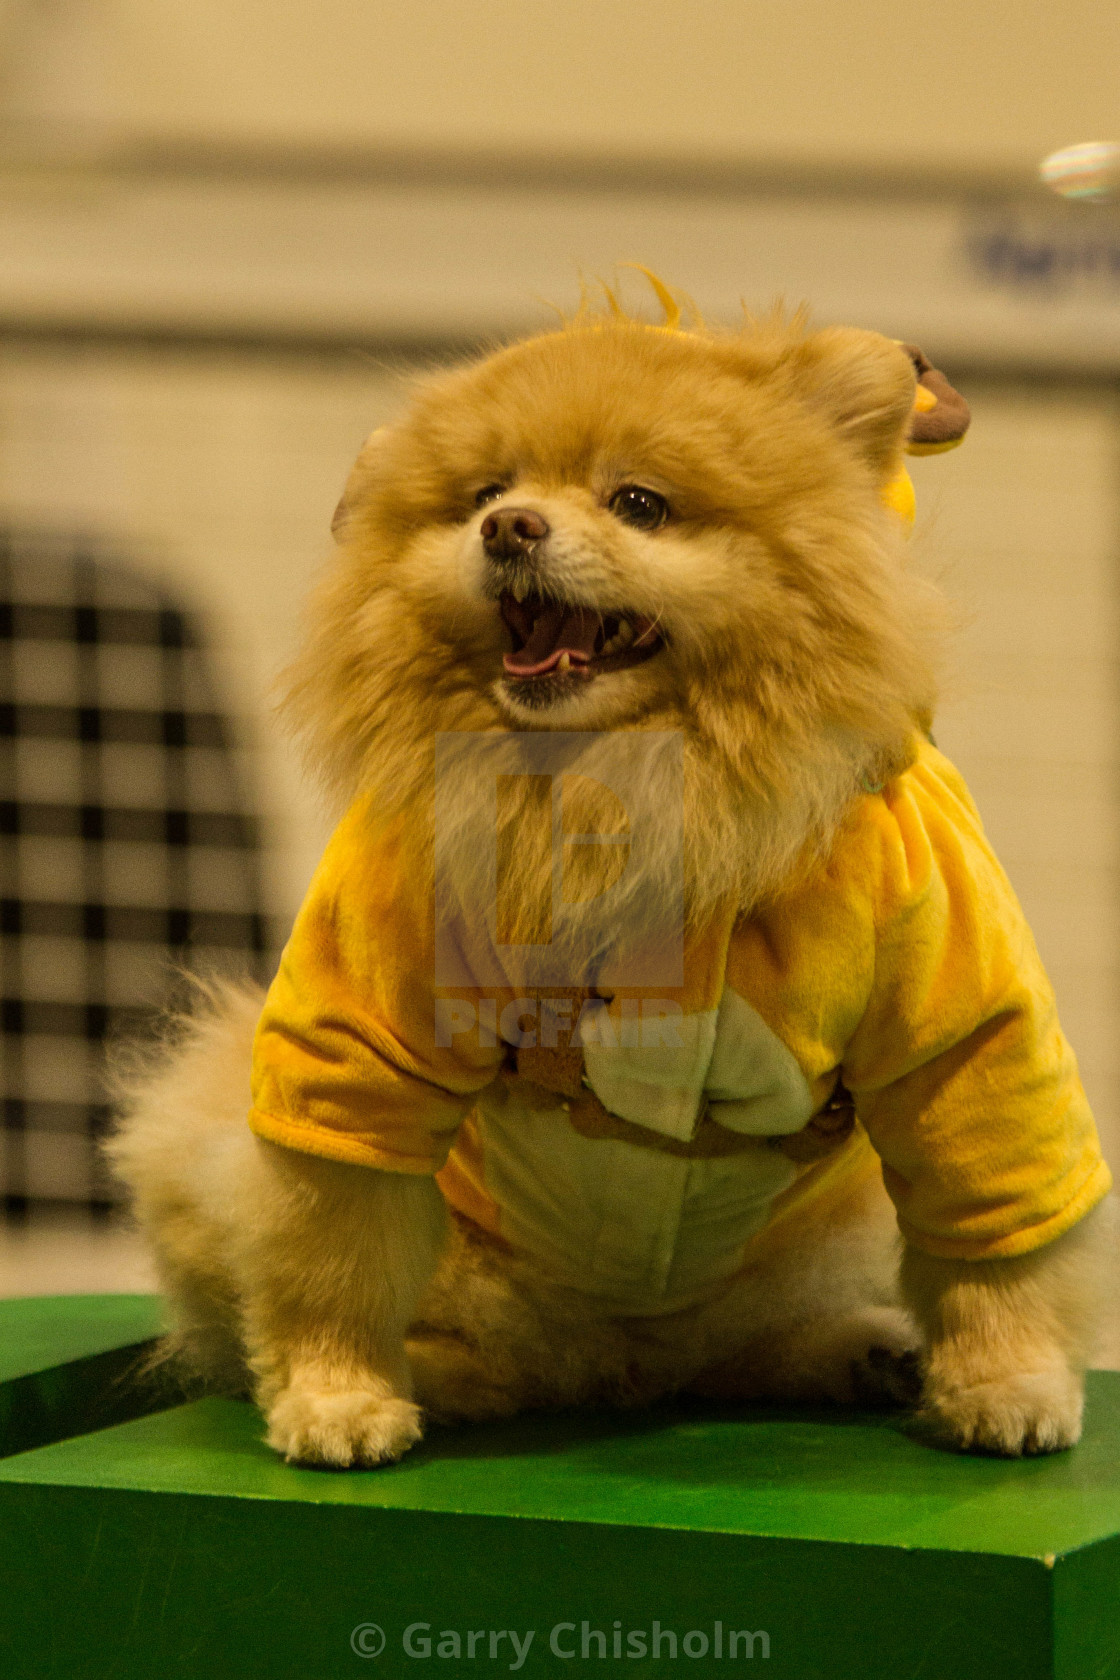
(1088, 171)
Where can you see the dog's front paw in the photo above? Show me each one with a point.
(1031, 1412)
(357, 1427)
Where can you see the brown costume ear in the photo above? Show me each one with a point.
(865, 384)
(942, 426)
(361, 476)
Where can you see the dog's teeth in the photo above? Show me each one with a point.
(520, 590)
(610, 647)
(625, 634)
(563, 663)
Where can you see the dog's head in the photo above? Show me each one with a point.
(619, 526)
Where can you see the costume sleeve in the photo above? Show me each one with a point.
(958, 1067)
(346, 1062)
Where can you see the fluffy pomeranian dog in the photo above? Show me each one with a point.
(639, 591)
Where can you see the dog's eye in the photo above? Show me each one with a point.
(642, 508)
(489, 493)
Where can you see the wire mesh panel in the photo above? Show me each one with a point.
(126, 854)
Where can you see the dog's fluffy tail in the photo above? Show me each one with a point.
(183, 1149)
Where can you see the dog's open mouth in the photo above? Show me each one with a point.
(555, 639)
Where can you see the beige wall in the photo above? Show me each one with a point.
(959, 82)
(890, 83)
(218, 475)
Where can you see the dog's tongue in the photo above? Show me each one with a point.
(555, 631)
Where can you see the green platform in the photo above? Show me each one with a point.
(177, 1546)
(71, 1363)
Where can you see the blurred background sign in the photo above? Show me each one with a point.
(229, 232)
(442, 252)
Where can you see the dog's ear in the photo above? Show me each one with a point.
(362, 475)
(865, 384)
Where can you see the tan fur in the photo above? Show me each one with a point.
(293, 1275)
(774, 446)
(1010, 1340)
(800, 656)
(817, 1320)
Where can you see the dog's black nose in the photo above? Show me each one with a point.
(510, 533)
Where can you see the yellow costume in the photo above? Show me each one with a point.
(903, 966)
